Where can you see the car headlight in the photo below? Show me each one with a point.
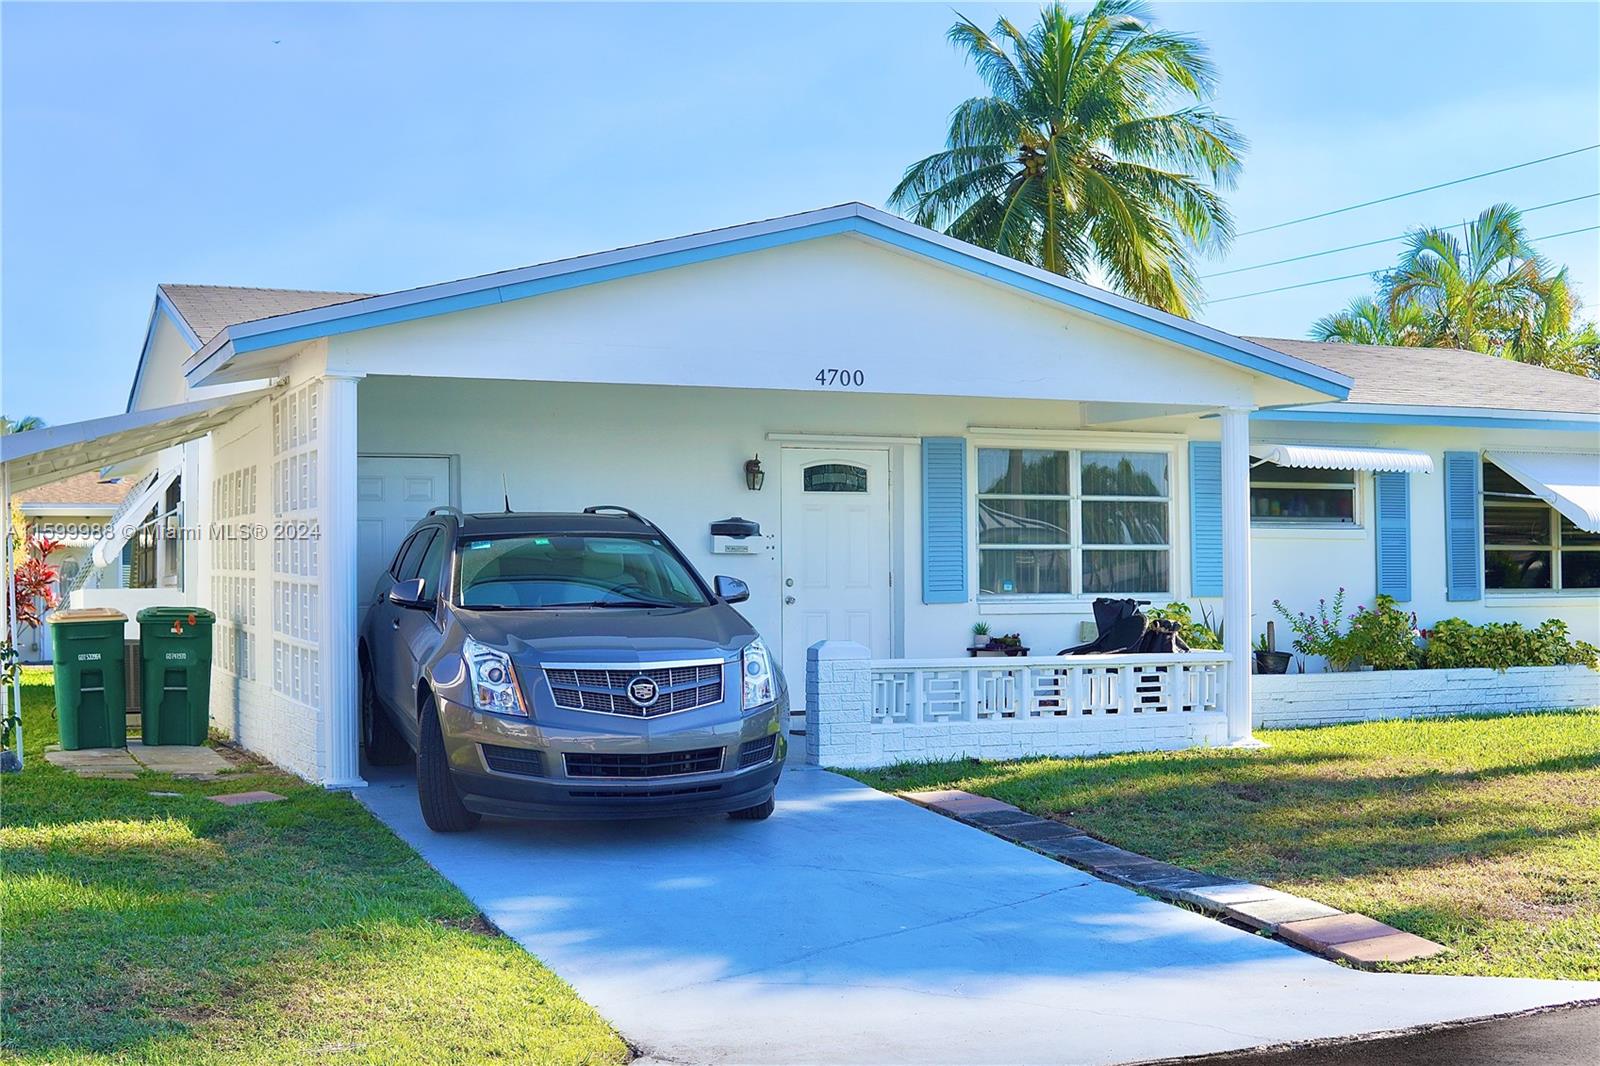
(760, 685)
(494, 683)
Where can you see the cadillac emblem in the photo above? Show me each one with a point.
(643, 692)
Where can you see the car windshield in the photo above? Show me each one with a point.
(574, 570)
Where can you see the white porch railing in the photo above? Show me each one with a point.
(911, 691)
(871, 712)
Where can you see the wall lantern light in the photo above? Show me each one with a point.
(753, 474)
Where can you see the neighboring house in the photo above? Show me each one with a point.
(945, 436)
(76, 512)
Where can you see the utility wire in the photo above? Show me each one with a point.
(1382, 240)
(1414, 192)
(1368, 273)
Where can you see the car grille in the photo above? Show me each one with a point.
(605, 689)
(513, 760)
(637, 794)
(755, 752)
(654, 764)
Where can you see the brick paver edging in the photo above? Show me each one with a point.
(1352, 938)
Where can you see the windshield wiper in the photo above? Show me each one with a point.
(626, 603)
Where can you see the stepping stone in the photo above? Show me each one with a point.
(1036, 830)
(114, 763)
(955, 802)
(1395, 947)
(1220, 897)
(995, 819)
(1269, 914)
(180, 760)
(1321, 934)
(240, 799)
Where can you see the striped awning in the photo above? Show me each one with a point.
(1340, 457)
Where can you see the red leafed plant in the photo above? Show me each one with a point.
(35, 581)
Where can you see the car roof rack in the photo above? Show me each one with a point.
(616, 508)
(447, 509)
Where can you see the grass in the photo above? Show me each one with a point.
(149, 929)
(1480, 833)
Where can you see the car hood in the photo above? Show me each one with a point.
(611, 634)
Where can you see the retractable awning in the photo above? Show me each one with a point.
(41, 456)
(1567, 481)
(1339, 457)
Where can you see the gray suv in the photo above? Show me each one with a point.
(567, 665)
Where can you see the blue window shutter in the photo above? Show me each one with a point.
(1205, 518)
(944, 520)
(1463, 561)
(1392, 501)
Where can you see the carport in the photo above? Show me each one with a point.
(41, 456)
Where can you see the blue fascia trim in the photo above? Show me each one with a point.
(244, 340)
(1463, 421)
(163, 306)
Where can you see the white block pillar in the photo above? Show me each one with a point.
(1236, 570)
(341, 712)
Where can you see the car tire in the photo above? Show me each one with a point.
(385, 744)
(759, 813)
(441, 804)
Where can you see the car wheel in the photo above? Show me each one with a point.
(384, 743)
(441, 804)
(759, 813)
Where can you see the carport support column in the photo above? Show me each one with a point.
(1236, 571)
(341, 712)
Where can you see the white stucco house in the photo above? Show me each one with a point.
(945, 436)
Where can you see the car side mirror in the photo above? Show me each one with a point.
(732, 590)
(409, 593)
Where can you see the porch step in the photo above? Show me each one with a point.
(1352, 938)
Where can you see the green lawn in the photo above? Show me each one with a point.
(140, 928)
(1480, 833)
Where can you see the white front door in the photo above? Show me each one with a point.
(836, 582)
(393, 493)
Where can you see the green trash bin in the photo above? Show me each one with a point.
(175, 670)
(91, 687)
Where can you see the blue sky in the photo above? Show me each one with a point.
(375, 147)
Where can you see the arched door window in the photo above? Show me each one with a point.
(835, 477)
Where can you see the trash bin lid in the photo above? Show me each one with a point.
(68, 615)
(175, 614)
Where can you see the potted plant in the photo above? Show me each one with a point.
(980, 637)
(1267, 660)
(1009, 644)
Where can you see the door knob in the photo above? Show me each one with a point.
(788, 600)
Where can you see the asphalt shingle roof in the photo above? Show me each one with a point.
(1445, 377)
(210, 308)
(84, 488)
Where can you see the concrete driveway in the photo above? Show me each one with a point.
(853, 927)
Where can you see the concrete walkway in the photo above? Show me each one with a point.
(853, 927)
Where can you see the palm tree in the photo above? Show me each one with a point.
(1471, 291)
(1095, 148)
(20, 425)
(1545, 331)
(1366, 321)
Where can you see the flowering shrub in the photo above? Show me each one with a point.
(34, 578)
(1321, 633)
(1501, 645)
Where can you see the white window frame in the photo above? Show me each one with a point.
(1358, 481)
(1169, 445)
(1552, 544)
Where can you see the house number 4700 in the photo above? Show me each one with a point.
(841, 379)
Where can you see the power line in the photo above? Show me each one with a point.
(1369, 273)
(1381, 240)
(1414, 192)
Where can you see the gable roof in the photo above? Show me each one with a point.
(350, 315)
(1446, 377)
(84, 489)
(209, 309)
